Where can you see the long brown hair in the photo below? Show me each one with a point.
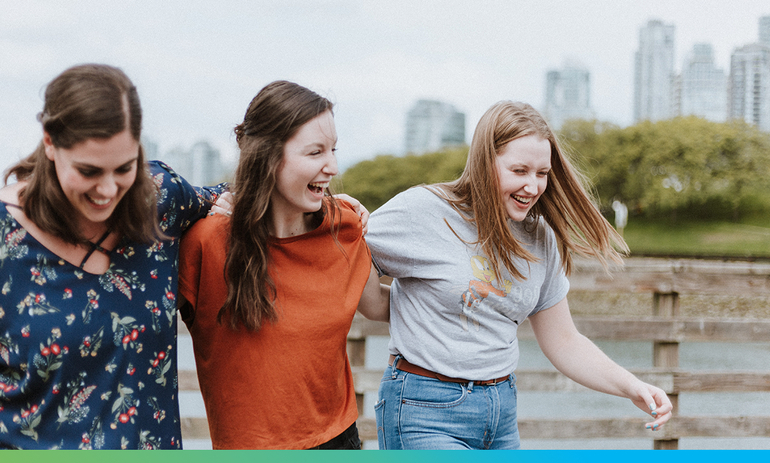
(84, 102)
(272, 118)
(566, 205)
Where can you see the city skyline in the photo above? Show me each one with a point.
(432, 125)
(198, 65)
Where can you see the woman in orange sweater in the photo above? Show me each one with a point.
(270, 309)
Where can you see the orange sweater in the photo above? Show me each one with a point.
(288, 386)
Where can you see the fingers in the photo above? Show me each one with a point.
(657, 424)
(659, 405)
(224, 204)
(219, 210)
(227, 197)
(362, 212)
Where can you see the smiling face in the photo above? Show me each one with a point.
(308, 165)
(522, 172)
(95, 175)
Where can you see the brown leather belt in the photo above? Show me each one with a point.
(403, 365)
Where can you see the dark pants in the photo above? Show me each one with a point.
(348, 440)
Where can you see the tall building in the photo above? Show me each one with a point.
(432, 125)
(150, 148)
(701, 89)
(654, 72)
(764, 30)
(567, 95)
(749, 93)
(201, 165)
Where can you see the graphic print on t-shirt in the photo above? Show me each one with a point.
(478, 290)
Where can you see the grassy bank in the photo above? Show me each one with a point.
(699, 239)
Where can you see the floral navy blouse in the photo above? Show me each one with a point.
(89, 361)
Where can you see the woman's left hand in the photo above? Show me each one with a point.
(360, 210)
(224, 204)
(654, 401)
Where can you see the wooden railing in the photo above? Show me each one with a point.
(665, 325)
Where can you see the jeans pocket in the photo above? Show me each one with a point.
(431, 393)
(379, 409)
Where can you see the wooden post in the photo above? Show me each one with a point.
(666, 355)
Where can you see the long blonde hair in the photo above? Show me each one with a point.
(566, 205)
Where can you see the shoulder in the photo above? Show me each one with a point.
(348, 218)
(208, 228)
(162, 174)
(422, 194)
(414, 200)
(535, 232)
(215, 224)
(10, 193)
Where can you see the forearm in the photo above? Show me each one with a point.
(375, 300)
(580, 360)
(576, 356)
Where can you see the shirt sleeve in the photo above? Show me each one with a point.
(390, 238)
(179, 203)
(556, 285)
(190, 260)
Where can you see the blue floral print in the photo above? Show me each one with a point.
(89, 361)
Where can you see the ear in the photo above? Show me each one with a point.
(50, 150)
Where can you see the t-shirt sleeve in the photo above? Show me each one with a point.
(556, 285)
(351, 224)
(390, 237)
(179, 203)
(190, 259)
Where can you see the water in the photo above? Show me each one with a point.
(632, 355)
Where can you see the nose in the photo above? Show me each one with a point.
(531, 185)
(330, 168)
(107, 186)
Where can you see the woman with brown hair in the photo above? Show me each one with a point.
(270, 309)
(89, 278)
(471, 260)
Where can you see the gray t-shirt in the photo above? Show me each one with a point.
(449, 312)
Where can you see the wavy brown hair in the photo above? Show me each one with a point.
(272, 118)
(85, 102)
(566, 204)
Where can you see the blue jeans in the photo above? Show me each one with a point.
(420, 413)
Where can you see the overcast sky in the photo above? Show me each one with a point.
(197, 64)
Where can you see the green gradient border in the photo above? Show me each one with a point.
(375, 456)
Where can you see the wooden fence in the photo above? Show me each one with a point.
(667, 282)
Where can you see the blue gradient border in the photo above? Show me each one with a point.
(375, 456)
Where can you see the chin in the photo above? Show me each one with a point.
(518, 217)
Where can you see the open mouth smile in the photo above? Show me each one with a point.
(318, 187)
(98, 202)
(521, 199)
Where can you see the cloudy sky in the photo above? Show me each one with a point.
(197, 64)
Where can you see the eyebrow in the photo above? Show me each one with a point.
(320, 145)
(530, 166)
(91, 166)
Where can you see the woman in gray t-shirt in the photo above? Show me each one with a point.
(471, 260)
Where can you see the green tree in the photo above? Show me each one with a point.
(375, 181)
(678, 167)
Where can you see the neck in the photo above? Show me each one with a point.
(93, 231)
(286, 226)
